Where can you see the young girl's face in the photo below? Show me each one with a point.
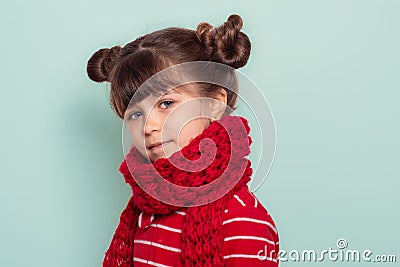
(160, 126)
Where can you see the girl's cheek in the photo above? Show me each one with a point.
(138, 141)
(190, 131)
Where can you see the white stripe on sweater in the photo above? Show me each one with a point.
(255, 200)
(157, 225)
(157, 245)
(245, 219)
(150, 262)
(140, 220)
(249, 237)
(247, 256)
(239, 200)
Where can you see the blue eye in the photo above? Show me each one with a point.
(167, 101)
(135, 114)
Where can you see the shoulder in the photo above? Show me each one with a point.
(244, 208)
(245, 198)
(244, 202)
(249, 231)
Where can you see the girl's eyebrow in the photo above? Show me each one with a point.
(172, 91)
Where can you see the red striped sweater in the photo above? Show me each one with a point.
(250, 235)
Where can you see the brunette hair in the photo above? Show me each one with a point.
(126, 68)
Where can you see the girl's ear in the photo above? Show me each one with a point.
(218, 107)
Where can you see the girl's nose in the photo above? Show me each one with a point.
(153, 123)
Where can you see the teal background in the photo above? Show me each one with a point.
(329, 70)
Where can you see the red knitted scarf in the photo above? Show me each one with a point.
(201, 246)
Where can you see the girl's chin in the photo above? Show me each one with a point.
(165, 152)
(153, 157)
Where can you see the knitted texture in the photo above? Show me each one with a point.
(201, 233)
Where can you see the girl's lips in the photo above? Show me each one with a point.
(158, 146)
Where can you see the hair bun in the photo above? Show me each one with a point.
(236, 21)
(226, 44)
(100, 64)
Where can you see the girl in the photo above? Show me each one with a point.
(186, 164)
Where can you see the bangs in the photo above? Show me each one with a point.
(129, 74)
